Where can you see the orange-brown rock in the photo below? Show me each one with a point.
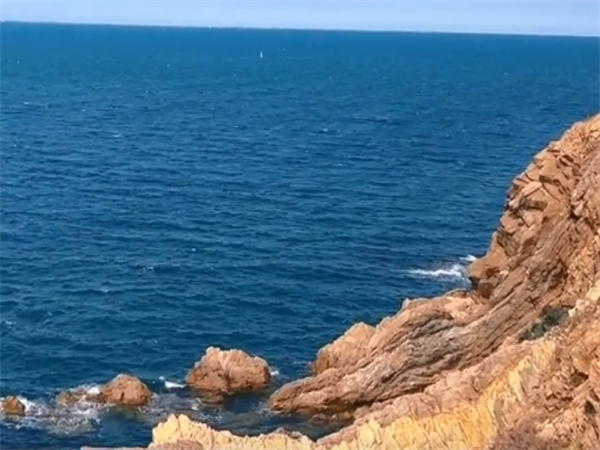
(126, 390)
(12, 406)
(512, 362)
(524, 392)
(180, 445)
(225, 372)
(123, 390)
(347, 348)
(177, 429)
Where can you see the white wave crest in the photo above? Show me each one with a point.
(55, 418)
(173, 385)
(448, 272)
(93, 390)
(454, 271)
(274, 372)
(28, 404)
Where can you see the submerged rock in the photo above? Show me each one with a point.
(513, 361)
(12, 406)
(225, 372)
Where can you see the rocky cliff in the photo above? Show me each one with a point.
(513, 362)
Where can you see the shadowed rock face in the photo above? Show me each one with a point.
(224, 372)
(512, 363)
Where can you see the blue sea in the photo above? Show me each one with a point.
(168, 189)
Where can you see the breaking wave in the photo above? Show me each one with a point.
(171, 384)
(54, 418)
(51, 416)
(456, 271)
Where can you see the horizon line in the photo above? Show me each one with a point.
(301, 28)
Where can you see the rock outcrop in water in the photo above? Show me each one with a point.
(123, 390)
(12, 406)
(512, 363)
(225, 372)
(126, 390)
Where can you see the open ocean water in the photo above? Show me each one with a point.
(164, 190)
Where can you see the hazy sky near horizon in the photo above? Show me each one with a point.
(561, 17)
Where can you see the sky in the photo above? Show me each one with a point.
(549, 17)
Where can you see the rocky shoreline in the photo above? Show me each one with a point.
(513, 362)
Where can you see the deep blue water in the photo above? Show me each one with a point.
(163, 190)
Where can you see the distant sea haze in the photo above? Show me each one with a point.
(165, 190)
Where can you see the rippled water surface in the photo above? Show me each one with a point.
(163, 190)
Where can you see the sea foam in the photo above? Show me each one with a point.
(452, 271)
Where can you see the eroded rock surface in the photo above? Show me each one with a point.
(225, 372)
(347, 348)
(181, 428)
(186, 445)
(180, 445)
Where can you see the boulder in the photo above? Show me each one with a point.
(12, 406)
(225, 372)
(126, 390)
(123, 390)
